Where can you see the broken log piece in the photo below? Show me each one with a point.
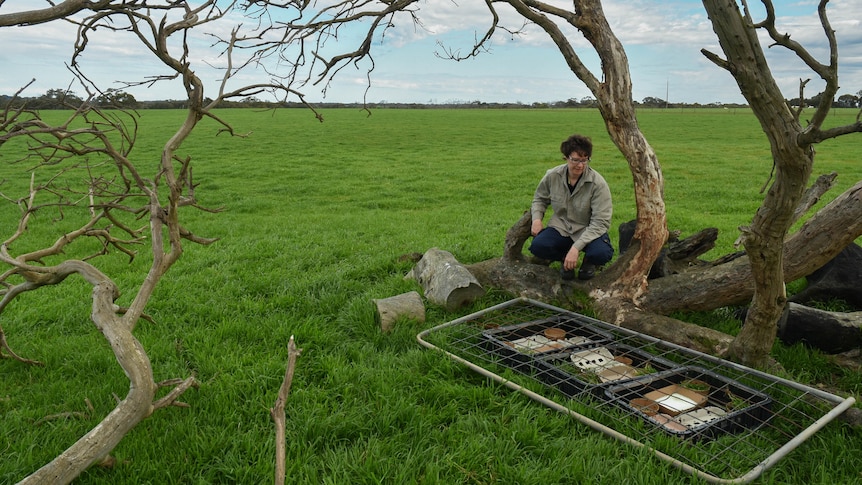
(407, 305)
(831, 332)
(445, 281)
(677, 255)
(840, 278)
(693, 246)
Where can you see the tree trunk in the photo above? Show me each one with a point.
(627, 279)
(763, 240)
(614, 96)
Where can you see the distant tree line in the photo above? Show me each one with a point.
(843, 101)
(65, 99)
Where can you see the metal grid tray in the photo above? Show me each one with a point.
(731, 406)
(739, 448)
(560, 371)
(514, 345)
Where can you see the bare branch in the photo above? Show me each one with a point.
(813, 193)
(801, 107)
(827, 72)
(479, 44)
(814, 135)
(55, 12)
(277, 411)
(715, 59)
(537, 12)
(182, 385)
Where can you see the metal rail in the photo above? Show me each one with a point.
(462, 352)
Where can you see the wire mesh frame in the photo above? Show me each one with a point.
(775, 415)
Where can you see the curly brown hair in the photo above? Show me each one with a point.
(580, 144)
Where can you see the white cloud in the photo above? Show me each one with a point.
(662, 38)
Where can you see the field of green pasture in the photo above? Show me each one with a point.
(315, 218)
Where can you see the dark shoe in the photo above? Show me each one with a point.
(587, 271)
(567, 274)
(543, 262)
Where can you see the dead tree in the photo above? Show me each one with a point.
(114, 204)
(97, 147)
(792, 144)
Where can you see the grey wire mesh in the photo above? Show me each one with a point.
(739, 424)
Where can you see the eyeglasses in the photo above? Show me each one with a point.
(577, 160)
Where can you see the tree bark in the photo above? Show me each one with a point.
(137, 405)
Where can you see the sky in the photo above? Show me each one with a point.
(663, 41)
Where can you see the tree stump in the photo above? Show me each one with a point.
(445, 281)
(407, 305)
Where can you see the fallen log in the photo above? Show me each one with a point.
(831, 332)
(678, 255)
(406, 305)
(445, 281)
(689, 335)
(821, 238)
(544, 284)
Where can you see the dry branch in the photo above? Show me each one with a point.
(69, 414)
(277, 412)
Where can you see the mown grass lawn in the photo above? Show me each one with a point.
(316, 217)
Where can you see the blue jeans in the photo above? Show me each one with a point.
(550, 244)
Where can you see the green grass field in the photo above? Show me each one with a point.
(316, 216)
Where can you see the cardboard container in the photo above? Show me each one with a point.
(573, 376)
(729, 406)
(676, 399)
(518, 345)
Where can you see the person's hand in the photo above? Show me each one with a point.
(571, 261)
(536, 227)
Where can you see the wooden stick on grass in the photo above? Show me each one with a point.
(277, 411)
